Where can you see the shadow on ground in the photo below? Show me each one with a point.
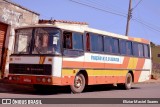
(51, 90)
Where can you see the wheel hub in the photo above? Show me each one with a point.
(129, 80)
(78, 82)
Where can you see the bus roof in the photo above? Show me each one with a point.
(82, 27)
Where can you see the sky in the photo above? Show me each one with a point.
(107, 15)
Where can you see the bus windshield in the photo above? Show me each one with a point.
(37, 41)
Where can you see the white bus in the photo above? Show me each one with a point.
(70, 53)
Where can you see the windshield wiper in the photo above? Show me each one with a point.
(37, 50)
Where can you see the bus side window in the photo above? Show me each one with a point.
(87, 42)
(135, 49)
(129, 48)
(146, 51)
(115, 47)
(67, 40)
(140, 50)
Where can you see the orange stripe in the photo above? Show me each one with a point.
(66, 80)
(139, 40)
(124, 65)
(76, 64)
(73, 64)
(125, 62)
(105, 79)
(69, 80)
(42, 59)
(145, 41)
(93, 65)
(130, 38)
(95, 80)
(140, 65)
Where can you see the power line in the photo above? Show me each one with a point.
(107, 11)
(136, 5)
(139, 21)
(98, 8)
(102, 5)
(147, 23)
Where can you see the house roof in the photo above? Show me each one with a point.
(41, 21)
(13, 3)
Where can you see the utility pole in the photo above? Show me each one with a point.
(129, 17)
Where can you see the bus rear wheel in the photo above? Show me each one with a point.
(79, 84)
(128, 82)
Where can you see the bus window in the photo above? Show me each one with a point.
(77, 41)
(140, 50)
(23, 40)
(107, 45)
(129, 47)
(123, 47)
(46, 41)
(96, 43)
(67, 40)
(146, 51)
(115, 47)
(135, 49)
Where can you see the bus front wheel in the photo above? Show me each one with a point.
(79, 84)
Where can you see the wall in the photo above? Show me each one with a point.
(155, 60)
(14, 16)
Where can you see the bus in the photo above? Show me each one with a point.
(63, 53)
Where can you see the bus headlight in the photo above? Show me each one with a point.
(38, 79)
(10, 78)
(43, 80)
(14, 78)
(49, 80)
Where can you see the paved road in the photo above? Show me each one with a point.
(147, 90)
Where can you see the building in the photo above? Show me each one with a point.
(12, 15)
(155, 58)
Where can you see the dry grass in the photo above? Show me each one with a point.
(155, 73)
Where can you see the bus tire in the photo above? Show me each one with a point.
(128, 81)
(79, 84)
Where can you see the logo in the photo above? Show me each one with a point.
(21, 101)
(6, 101)
(27, 80)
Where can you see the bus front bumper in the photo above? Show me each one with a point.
(45, 80)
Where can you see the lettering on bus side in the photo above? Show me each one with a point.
(105, 58)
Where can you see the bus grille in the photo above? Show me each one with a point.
(37, 69)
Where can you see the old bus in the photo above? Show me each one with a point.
(71, 53)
